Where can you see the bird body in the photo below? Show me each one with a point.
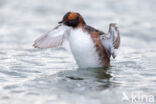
(83, 49)
(91, 47)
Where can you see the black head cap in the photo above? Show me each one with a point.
(72, 19)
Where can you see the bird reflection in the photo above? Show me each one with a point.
(94, 78)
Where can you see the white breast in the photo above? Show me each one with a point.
(83, 49)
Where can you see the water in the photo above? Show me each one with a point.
(33, 76)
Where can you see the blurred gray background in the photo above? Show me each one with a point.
(33, 76)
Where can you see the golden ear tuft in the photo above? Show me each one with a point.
(72, 16)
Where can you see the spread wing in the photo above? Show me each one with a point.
(111, 41)
(52, 39)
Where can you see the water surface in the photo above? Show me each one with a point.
(33, 76)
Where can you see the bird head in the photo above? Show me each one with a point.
(72, 19)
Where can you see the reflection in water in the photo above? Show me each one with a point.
(93, 77)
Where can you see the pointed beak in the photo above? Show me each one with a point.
(60, 22)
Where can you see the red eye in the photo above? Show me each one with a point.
(67, 19)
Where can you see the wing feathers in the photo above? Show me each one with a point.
(52, 38)
(48, 42)
(113, 30)
(111, 41)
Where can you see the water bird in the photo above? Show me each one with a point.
(90, 47)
